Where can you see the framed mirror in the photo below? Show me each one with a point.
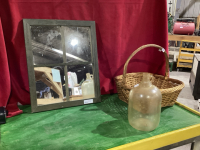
(62, 63)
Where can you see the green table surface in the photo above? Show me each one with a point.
(94, 126)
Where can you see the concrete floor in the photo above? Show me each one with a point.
(185, 97)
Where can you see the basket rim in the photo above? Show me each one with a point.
(164, 91)
(137, 73)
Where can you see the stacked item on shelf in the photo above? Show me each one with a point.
(189, 44)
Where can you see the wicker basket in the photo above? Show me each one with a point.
(170, 88)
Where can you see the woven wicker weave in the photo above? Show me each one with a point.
(170, 88)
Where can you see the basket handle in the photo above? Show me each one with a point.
(139, 49)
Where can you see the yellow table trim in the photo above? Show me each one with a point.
(165, 139)
(188, 108)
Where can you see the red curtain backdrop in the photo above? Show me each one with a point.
(5, 86)
(121, 25)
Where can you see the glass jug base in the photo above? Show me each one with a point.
(143, 124)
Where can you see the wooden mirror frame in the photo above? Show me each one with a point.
(31, 74)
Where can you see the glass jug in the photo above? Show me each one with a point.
(144, 106)
(88, 87)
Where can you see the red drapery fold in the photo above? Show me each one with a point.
(4, 73)
(5, 82)
(121, 25)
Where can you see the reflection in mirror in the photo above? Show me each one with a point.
(46, 45)
(50, 85)
(80, 82)
(77, 44)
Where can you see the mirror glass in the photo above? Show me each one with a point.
(50, 85)
(77, 44)
(80, 82)
(46, 45)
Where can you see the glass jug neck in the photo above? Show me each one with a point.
(88, 76)
(146, 80)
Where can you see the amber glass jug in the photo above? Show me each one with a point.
(144, 105)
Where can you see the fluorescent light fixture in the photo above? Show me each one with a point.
(69, 55)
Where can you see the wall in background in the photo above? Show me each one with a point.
(189, 8)
(173, 6)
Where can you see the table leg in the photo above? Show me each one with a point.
(181, 143)
(196, 144)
